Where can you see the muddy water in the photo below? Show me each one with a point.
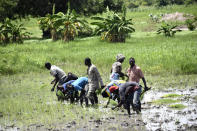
(153, 117)
(161, 117)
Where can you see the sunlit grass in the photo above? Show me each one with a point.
(171, 96)
(177, 106)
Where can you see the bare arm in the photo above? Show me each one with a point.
(55, 80)
(107, 102)
(144, 81)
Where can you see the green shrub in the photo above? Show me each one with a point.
(113, 27)
(132, 5)
(167, 29)
(10, 32)
(190, 24)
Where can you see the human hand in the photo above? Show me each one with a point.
(102, 87)
(52, 82)
(52, 89)
(113, 108)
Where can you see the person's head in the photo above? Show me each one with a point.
(48, 65)
(87, 61)
(60, 87)
(120, 58)
(69, 87)
(132, 62)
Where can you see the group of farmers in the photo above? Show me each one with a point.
(126, 93)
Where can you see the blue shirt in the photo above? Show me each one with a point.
(69, 82)
(80, 83)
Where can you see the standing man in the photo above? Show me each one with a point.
(56, 72)
(135, 74)
(94, 79)
(116, 70)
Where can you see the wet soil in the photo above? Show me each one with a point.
(153, 117)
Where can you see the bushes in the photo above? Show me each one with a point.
(167, 29)
(66, 25)
(10, 32)
(113, 27)
(191, 23)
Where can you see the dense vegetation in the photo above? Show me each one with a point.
(21, 8)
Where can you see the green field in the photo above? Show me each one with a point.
(25, 96)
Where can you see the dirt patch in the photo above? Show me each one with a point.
(176, 17)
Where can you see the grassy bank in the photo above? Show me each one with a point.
(154, 53)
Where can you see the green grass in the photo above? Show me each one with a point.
(177, 106)
(155, 55)
(195, 98)
(164, 101)
(26, 100)
(171, 96)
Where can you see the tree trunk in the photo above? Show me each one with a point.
(54, 34)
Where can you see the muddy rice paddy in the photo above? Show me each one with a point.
(154, 117)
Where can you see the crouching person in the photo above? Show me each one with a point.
(62, 89)
(78, 85)
(112, 91)
(60, 77)
(126, 92)
(94, 79)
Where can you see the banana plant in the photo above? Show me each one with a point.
(49, 23)
(70, 24)
(168, 30)
(5, 30)
(113, 27)
(10, 32)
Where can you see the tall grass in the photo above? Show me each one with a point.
(155, 54)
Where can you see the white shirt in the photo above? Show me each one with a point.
(57, 71)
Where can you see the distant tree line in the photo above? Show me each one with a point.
(158, 3)
(21, 8)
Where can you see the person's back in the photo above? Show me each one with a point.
(116, 70)
(56, 71)
(80, 83)
(115, 83)
(94, 77)
(116, 67)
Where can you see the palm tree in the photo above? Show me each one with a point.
(114, 28)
